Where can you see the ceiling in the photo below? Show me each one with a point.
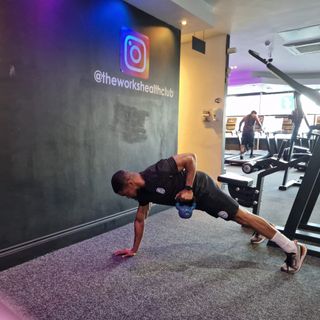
(250, 24)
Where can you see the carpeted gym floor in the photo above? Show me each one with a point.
(202, 268)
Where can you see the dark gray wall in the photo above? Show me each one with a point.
(63, 134)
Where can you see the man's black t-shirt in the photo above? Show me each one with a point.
(249, 122)
(163, 181)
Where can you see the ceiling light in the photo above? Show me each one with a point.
(183, 22)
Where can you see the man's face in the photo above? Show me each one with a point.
(129, 191)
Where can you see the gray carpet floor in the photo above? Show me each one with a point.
(202, 268)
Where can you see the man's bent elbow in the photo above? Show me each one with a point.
(191, 155)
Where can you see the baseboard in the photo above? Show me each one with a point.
(25, 251)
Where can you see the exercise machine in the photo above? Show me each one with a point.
(293, 151)
(298, 225)
(259, 154)
(241, 188)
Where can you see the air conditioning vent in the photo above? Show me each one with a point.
(302, 40)
(303, 47)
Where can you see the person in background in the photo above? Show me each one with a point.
(247, 139)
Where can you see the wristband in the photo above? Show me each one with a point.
(189, 188)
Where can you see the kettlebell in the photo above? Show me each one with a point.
(185, 208)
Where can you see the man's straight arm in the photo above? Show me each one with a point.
(142, 214)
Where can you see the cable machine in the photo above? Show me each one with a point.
(298, 225)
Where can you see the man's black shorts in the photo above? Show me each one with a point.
(247, 139)
(214, 201)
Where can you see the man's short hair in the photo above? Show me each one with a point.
(119, 181)
(253, 111)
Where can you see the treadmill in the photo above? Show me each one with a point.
(257, 154)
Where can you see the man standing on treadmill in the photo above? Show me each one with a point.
(247, 139)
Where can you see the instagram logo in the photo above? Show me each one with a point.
(134, 53)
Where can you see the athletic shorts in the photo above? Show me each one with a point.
(247, 139)
(211, 199)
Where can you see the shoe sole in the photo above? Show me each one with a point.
(257, 242)
(303, 253)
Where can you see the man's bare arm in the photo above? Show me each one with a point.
(187, 161)
(258, 121)
(241, 122)
(142, 214)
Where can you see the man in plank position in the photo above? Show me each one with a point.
(176, 178)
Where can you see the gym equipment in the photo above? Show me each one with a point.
(235, 159)
(241, 189)
(297, 225)
(294, 152)
(185, 208)
(271, 162)
(311, 139)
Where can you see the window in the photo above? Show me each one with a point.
(242, 105)
(277, 104)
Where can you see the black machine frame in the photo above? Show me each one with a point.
(297, 117)
(297, 225)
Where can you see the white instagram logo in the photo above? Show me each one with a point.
(135, 53)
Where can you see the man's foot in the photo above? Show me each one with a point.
(257, 238)
(251, 155)
(294, 261)
(241, 157)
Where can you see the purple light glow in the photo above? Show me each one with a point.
(242, 77)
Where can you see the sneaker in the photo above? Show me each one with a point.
(257, 238)
(294, 261)
(241, 157)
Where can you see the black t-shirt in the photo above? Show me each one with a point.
(249, 124)
(163, 181)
